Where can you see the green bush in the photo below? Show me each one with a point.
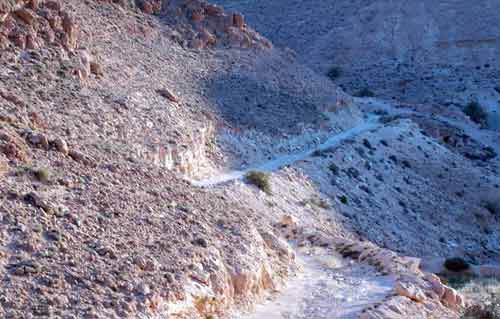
(476, 113)
(343, 199)
(334, 169)
(334, 73)
(456, 264)
(259, 179)
(42, 174)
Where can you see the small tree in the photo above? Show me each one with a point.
(334, 73)
(476, 112)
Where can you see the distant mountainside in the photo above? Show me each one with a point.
(417, 51)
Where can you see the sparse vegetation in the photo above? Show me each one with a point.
(481, 312)
(343, 199)
(334, 168)
(42, 174)
(334, 73)
(365, 92)
(259, 179)
(476, 112)
(456, 280)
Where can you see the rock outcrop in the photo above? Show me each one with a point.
(417, 294)
(187, 158)
(32, 24)
(205, 25)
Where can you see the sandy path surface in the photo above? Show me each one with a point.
(327, 287)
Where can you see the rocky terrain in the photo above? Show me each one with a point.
(128, 130)
(400, 50)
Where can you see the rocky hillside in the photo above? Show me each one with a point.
(127, 129)
(413, 51)
(105, 108)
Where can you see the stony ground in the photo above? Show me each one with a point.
(395, 49)
(108, 109)
(92, 225)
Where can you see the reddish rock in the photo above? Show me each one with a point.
(147, 7)
(450, 298)
(33, 4)
(55, 21)
(238, 20)
(28, 16)
(197, 16)
(71, 30)
(19, 41)
(166, 93)
(61, 146)
(82, 158)
(32, 42)
(39, 140)
(4, 42)
(213, 10)
(207, 37)
(3, 165)
(53, 5)
(96, 68)
(197, 44)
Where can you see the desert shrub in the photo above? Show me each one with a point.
(42, 174)
(476, 112)
(334, 73)
(334, 169)
(365, 92)
(343, 199)
(259, 179)
(456, 264)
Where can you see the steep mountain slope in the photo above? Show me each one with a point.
(104, 109)
(417, 51)
(113, 114)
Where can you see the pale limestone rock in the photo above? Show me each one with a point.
(61, 146)
(39, 140)
(409, 291)
(450, 297)
(288, 221)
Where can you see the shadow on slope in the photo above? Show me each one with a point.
(246, 102)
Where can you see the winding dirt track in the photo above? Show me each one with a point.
(369, 124)
(328, 287)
